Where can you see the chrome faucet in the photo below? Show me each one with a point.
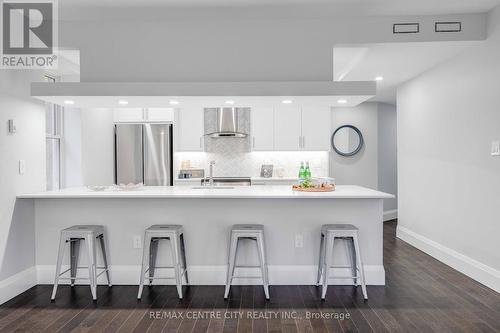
(211, 174)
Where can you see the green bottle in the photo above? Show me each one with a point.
(307, 171)
(302, 171)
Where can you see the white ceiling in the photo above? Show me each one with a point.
(396, 62)
(333, 7)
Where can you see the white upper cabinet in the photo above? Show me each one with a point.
(128, 115)
(160, 114)
(316, 122)
(262, 128)
(287, 128)
(189, 129)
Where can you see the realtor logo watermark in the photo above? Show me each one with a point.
(28, 34)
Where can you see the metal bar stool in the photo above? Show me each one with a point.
(253, 232)
(346, 232)
(74, 235)
(152, 236)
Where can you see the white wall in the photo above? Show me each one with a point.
(17, 239)
(375, 166)
(362, 168)
(449, 185)
(387, 154)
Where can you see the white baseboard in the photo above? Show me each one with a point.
(476, 270)
(216, 275)
(390, 214)
(17, 284)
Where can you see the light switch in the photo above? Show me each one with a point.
(12, 126)
(22, 167)
(299, 241)
(495, 148)
(137, 242)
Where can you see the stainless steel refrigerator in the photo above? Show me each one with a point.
(143, 154)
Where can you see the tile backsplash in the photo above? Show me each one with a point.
(237, 163)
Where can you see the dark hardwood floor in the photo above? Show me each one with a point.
(421, 295)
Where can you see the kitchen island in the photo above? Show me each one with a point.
(292, 223)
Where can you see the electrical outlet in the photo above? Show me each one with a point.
(137, 242)
(495, 148)
(22, 167)
(299, 240)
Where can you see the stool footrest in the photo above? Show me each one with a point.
(255, 266)
(246, 277)
(337, 266)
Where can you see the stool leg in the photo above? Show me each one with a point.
(74, 254)
(105, 258)
(174, 242)
(352, 257)
(183, 251)
(153, 251)
(145, 254)
(263, 263)
(321, 258)
(360, 267)
(92, 266)
(231, 263)
(60, 256)
(327, 263)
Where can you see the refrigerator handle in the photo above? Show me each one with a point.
(143, 133)
(163, 166)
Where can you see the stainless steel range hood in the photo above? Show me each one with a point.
(226, 124)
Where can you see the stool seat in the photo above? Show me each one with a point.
(165, 228)
(247, 228)
(90, 234)
(152, 235)
(348, 233)
(338, 227)
(81, 230)
(254, 232)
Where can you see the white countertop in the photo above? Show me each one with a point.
(181, 192)
(257, 179)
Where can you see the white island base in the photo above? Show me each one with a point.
(292, 229)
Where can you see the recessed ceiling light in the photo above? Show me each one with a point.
(122, 102)
(230, 102)
(69, 102)
(379, 78)
(342, 101)
(174, 102)
(286, 101)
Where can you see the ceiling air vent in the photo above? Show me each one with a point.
(448, 27)
(406, 28)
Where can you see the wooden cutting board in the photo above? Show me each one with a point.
(314, 189)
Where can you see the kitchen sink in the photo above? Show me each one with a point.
(212, 187)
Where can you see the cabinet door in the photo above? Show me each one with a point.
(262, 128)
(287, 128)
(128, 115)
(190, 129)
(316, 125)
(160, 114)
